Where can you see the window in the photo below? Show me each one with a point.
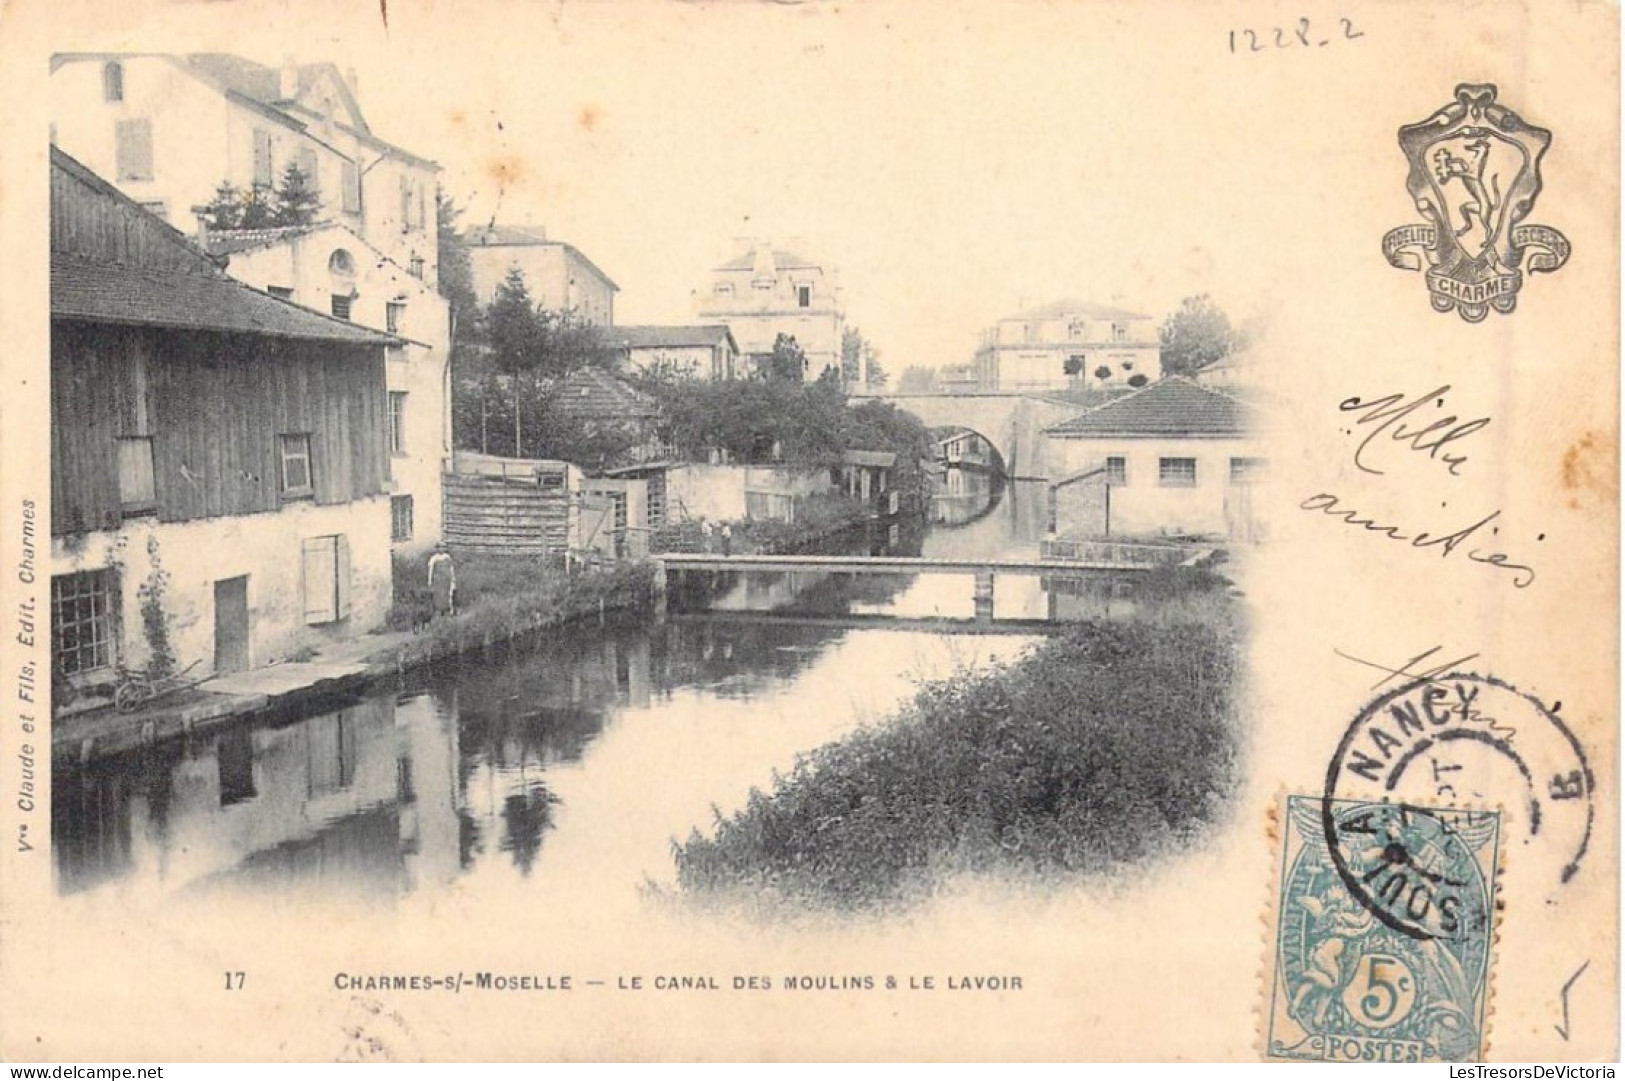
(400, 517)
(1029, 332)
(341, 263)
(1247, 470)
(326, 566)
(341, 305)
(415, 267)
(1117, 472)
(350, 181)
(264, 175)
(406, 204)
(134, 151)
(1074, 330)
(113, 81)
(281, 292)
(298, 478)
(332, 752)
(1176, 472)
(723, 289)
(804, 296)
(392, 316)
(397, 422)
(136, 489)
(84, 620)
(234, 755)
(1119, 332)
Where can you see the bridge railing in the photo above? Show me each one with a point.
(1119, 552)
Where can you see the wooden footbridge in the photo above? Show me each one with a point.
(1122, 563)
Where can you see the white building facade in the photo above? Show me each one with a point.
(1068, 344)
(768, 291)
(168, 130)
(329, 267)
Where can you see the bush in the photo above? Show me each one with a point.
(1110, 745)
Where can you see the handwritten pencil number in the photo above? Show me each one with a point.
(235, 980)
(1288, 37)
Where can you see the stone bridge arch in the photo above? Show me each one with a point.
(1013, 423)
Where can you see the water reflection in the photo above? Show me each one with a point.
(567, 764)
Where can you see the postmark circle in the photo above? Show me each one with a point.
(1412, 867)
(1465, 740)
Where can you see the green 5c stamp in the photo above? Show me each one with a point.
(1382, 932)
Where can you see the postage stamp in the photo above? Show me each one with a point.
(1474, 175)
(1383, 923)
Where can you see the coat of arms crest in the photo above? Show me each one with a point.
(1474, 174)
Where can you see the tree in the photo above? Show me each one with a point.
(224, 211)
(295, 202)
(787, 362)
(1196, 335)
(873, 374)
(514, 334)
(917, 380)
(1103, 373)
(456, 274)
(1137, 380)
(852, 344)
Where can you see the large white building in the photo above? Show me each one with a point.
(1069, 343)
(168, 130)
(767, 291)
(558, 275)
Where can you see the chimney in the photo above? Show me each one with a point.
(288, 85)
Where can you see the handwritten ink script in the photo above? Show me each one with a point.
(1303, 34)
(1418, 424)
(1394, 418)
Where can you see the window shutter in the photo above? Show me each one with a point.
(134, 150)
(352, 188)
(341, 585)
(320, 572)
(406, 204)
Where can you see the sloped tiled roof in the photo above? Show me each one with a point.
(648, 337)
(592, 394)
(1063, 308)
(494, 235)
(783, 260)
(138, 270)
(232, 241)
(1172, 407)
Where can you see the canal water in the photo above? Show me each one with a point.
(562, 765)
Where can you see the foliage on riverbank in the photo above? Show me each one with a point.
(817, 516)
(503, 597)
(1106, 746)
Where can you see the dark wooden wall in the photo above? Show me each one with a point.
(216, 404)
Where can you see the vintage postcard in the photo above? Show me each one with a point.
(801, 531)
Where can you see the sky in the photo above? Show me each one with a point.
(953, 162)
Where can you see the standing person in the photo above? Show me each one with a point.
(727, 539)
(443, 581)
(705, 535)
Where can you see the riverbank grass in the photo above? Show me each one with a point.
(1109, 745)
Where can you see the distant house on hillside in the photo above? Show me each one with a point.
(692, 352)
(220, 466)
(558, 275)
(766, 291)
(1172, 458)
(1066, 344)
